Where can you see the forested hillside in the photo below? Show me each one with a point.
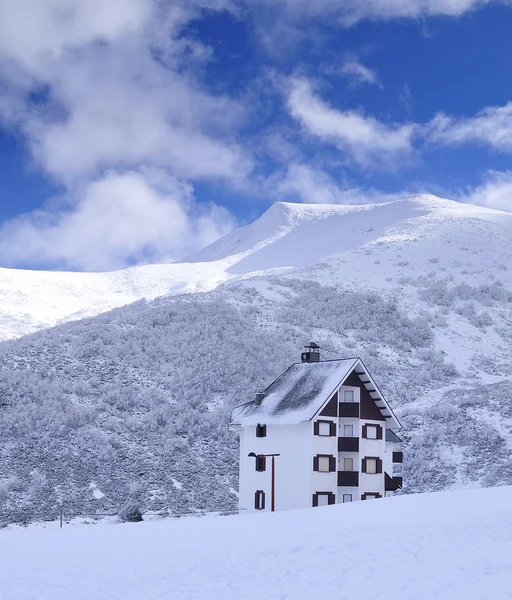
(133, 405)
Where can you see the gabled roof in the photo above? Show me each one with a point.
(302, 390)
(391, 436)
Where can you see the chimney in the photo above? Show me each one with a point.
(311, 353)
(259, 398)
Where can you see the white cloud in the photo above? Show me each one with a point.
(308, 184)
(97, 86)
(359, 73)
(350, 12)
(491, 127)
(365, 140)
(495, 192)
(111, 102)
(115, 221)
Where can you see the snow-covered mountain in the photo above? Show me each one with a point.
(286, 238)
(133, 402)
(446, 545)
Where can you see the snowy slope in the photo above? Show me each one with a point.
(446, 545)
(287, 238)
(33, 300)
(420, 288)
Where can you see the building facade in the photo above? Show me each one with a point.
(331, 432)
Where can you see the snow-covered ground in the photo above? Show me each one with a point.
(446, 545)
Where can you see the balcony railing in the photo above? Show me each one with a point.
(348, 444)
(348, 478)
(349, 409)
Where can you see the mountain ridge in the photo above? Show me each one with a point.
(32, 300)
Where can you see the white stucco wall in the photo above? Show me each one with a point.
(294, 466)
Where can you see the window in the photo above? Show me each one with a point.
(371, 432)
(324, 428)
(370, 496)
(324, 498)
(261, 430)
(261, 463)
(259, 500)
(371, 465)
(347, 497)
(348, 464)
(348, 431)
(324, 463)
(348, 396)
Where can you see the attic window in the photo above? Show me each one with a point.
(261, 430)
(348, 396)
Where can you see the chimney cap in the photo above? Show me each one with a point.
(260, 396)
(312, 345)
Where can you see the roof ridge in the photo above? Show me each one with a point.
(326, 360)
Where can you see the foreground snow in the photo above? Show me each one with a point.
(445, 545)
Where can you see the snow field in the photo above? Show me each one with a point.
(446, 545)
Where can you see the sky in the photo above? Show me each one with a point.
(136, 131)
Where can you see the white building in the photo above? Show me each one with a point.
(332, 430)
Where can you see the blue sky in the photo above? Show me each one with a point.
(138, 131)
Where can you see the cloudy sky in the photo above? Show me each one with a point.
(140, 130)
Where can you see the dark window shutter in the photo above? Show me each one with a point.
(262, 500)
(333, 429)
(364, 431)
(379, 432)
(332, 498)
(316, 428)
(363, 465)
(315, 463)
(379, 465)
(256, 500)
(315, 499)
(332, 464)
(363, 497)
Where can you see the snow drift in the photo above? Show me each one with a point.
(445, 545)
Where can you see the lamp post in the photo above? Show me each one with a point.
(273, 480)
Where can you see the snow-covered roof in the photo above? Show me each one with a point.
(302, 390)
(391, 436)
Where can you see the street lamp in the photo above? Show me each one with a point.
(273, 486)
